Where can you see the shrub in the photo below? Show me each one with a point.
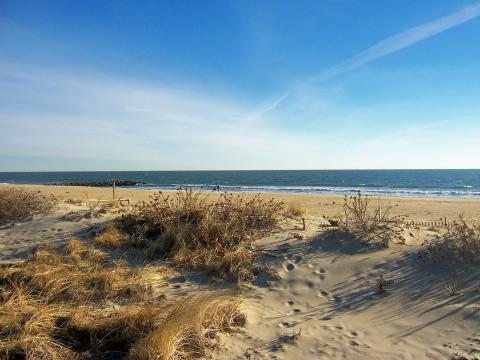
(461, 241)
(215, 234)
(371, 225)
(295, 211)
(17, 204)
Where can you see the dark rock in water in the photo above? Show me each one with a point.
(105, 183)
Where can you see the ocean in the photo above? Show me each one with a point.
(415, 183)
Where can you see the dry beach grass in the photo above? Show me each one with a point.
(19, 204)
(72, 302)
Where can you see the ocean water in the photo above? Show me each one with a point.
(420, 183)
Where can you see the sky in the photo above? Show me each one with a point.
(206, 85)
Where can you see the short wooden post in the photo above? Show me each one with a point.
(113, 189)
(303, 222)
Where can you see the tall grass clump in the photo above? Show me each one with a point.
(368, 223)
(214, 235)
(295, 211)
(17, 204)
(460, 242)
(77, 303)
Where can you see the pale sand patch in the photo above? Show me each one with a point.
(419, 209)
(328, 292)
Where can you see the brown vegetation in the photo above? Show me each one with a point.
(77, 303)
(461, 241)
(367, 223)
(17, 204)
(295, 211)
(216, 235)
(110, 237)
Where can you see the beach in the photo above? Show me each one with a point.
(321, 294)
(416, 209)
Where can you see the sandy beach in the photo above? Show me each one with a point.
(417, 209)
(323, 302)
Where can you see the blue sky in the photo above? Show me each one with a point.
(173, 85)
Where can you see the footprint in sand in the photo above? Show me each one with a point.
(321, 273)
(323, 293)
(297, 259)
(336, 298)
(289, 303)
(297, 311)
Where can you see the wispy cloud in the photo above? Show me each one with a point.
(402, 40)
(143, 125)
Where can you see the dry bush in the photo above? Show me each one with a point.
(72, 201)
(77, 303)
(17, 204)
(110, 237)
(201, 233)
(369, 224)
(295, 211)
(460, 242)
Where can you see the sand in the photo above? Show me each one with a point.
(325, 303)
(419, 209)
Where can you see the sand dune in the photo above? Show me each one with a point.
(325, 303)
(327, 293)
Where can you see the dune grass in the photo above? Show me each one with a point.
(76, 302)
(367, 223)
(17, 204)
(295, 211)
(216, 235)
(460, 242)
